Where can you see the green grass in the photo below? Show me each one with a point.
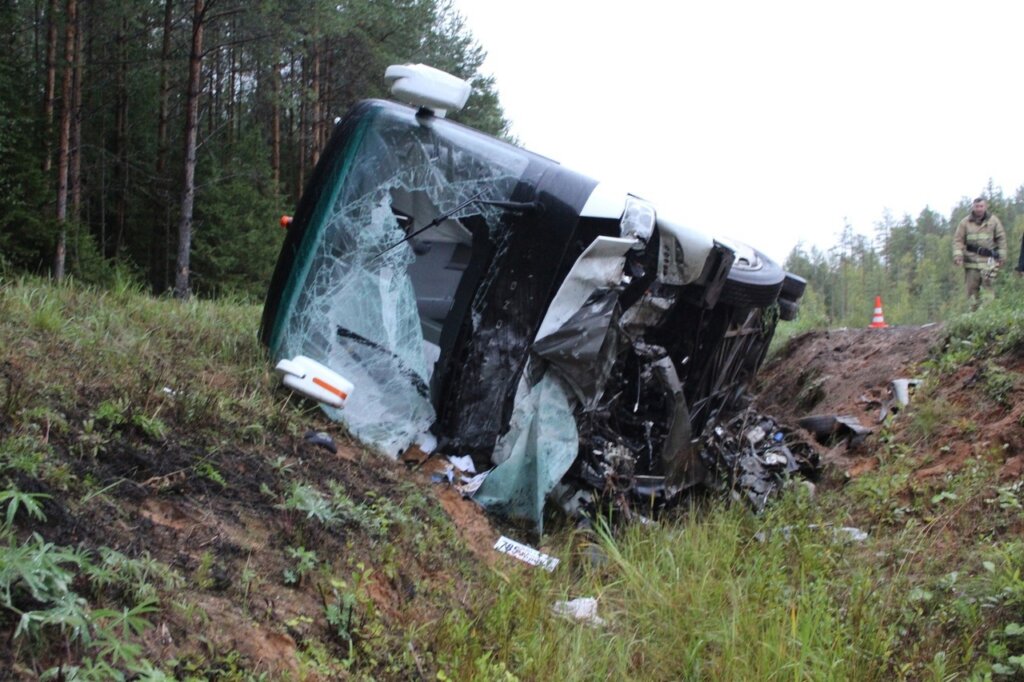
(714, 592)
(713, 595)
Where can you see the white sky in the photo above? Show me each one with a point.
(769, 121)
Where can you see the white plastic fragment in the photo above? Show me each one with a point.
(901, 390)
(525, 553)
(471, 485)
(839, 534)
(426, 442)
(582, 609)
(315, 381)
(852, 534)
(463, 463)
(755, 435)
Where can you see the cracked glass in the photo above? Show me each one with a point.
(377, 290)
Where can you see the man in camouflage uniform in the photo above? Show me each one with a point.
(979, 245)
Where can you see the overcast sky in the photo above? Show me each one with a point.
(771, 122)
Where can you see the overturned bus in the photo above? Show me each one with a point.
(485, 300)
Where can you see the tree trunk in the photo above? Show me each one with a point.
(232, 82)
(75, 172)
(314, 105)
(158, 248)
(188, 192)
(300, 131)
(64, 143)
(275, 125)
(51, 82)
(121, 137)
(165, 90)
(213, 100)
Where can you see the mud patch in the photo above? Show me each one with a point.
(842, 371)
(471, 522)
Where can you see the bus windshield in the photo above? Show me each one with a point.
(372, 292)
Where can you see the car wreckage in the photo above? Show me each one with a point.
(483, 300)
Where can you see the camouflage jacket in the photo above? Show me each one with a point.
(987, 235)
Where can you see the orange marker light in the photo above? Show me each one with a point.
(286, 220)
(327, 387)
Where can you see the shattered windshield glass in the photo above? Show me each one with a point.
(372, 300)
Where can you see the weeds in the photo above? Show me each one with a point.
(304, 561)
(15, 501)
(998, 384)
(36, 579)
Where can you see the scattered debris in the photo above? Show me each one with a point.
(321, 439)
(852, 534)
(525, 553)
(839, 533)
(445, 474)
(899, 397)
(469, 486)
(754, 455)
(414, 456)
(901, 390)
(581, 609)
(463, 463)
(829, 429)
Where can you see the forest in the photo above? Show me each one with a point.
(161, 140)
(908, 262)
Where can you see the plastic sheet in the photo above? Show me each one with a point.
(539, 448)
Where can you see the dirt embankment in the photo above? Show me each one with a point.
(849, 372)
(841, 371)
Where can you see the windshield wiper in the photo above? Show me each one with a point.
(507, 205)
(435, 222)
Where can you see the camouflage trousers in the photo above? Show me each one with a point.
(975, 279)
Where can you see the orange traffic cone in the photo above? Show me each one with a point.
(878, 320)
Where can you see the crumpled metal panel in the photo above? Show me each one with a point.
(583, 349)
(579, 334)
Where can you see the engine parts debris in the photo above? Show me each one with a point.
(752, 456)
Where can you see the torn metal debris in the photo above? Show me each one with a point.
(562, 332)
(832, 428)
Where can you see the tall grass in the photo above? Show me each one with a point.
(719, 594)
(712, 594)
